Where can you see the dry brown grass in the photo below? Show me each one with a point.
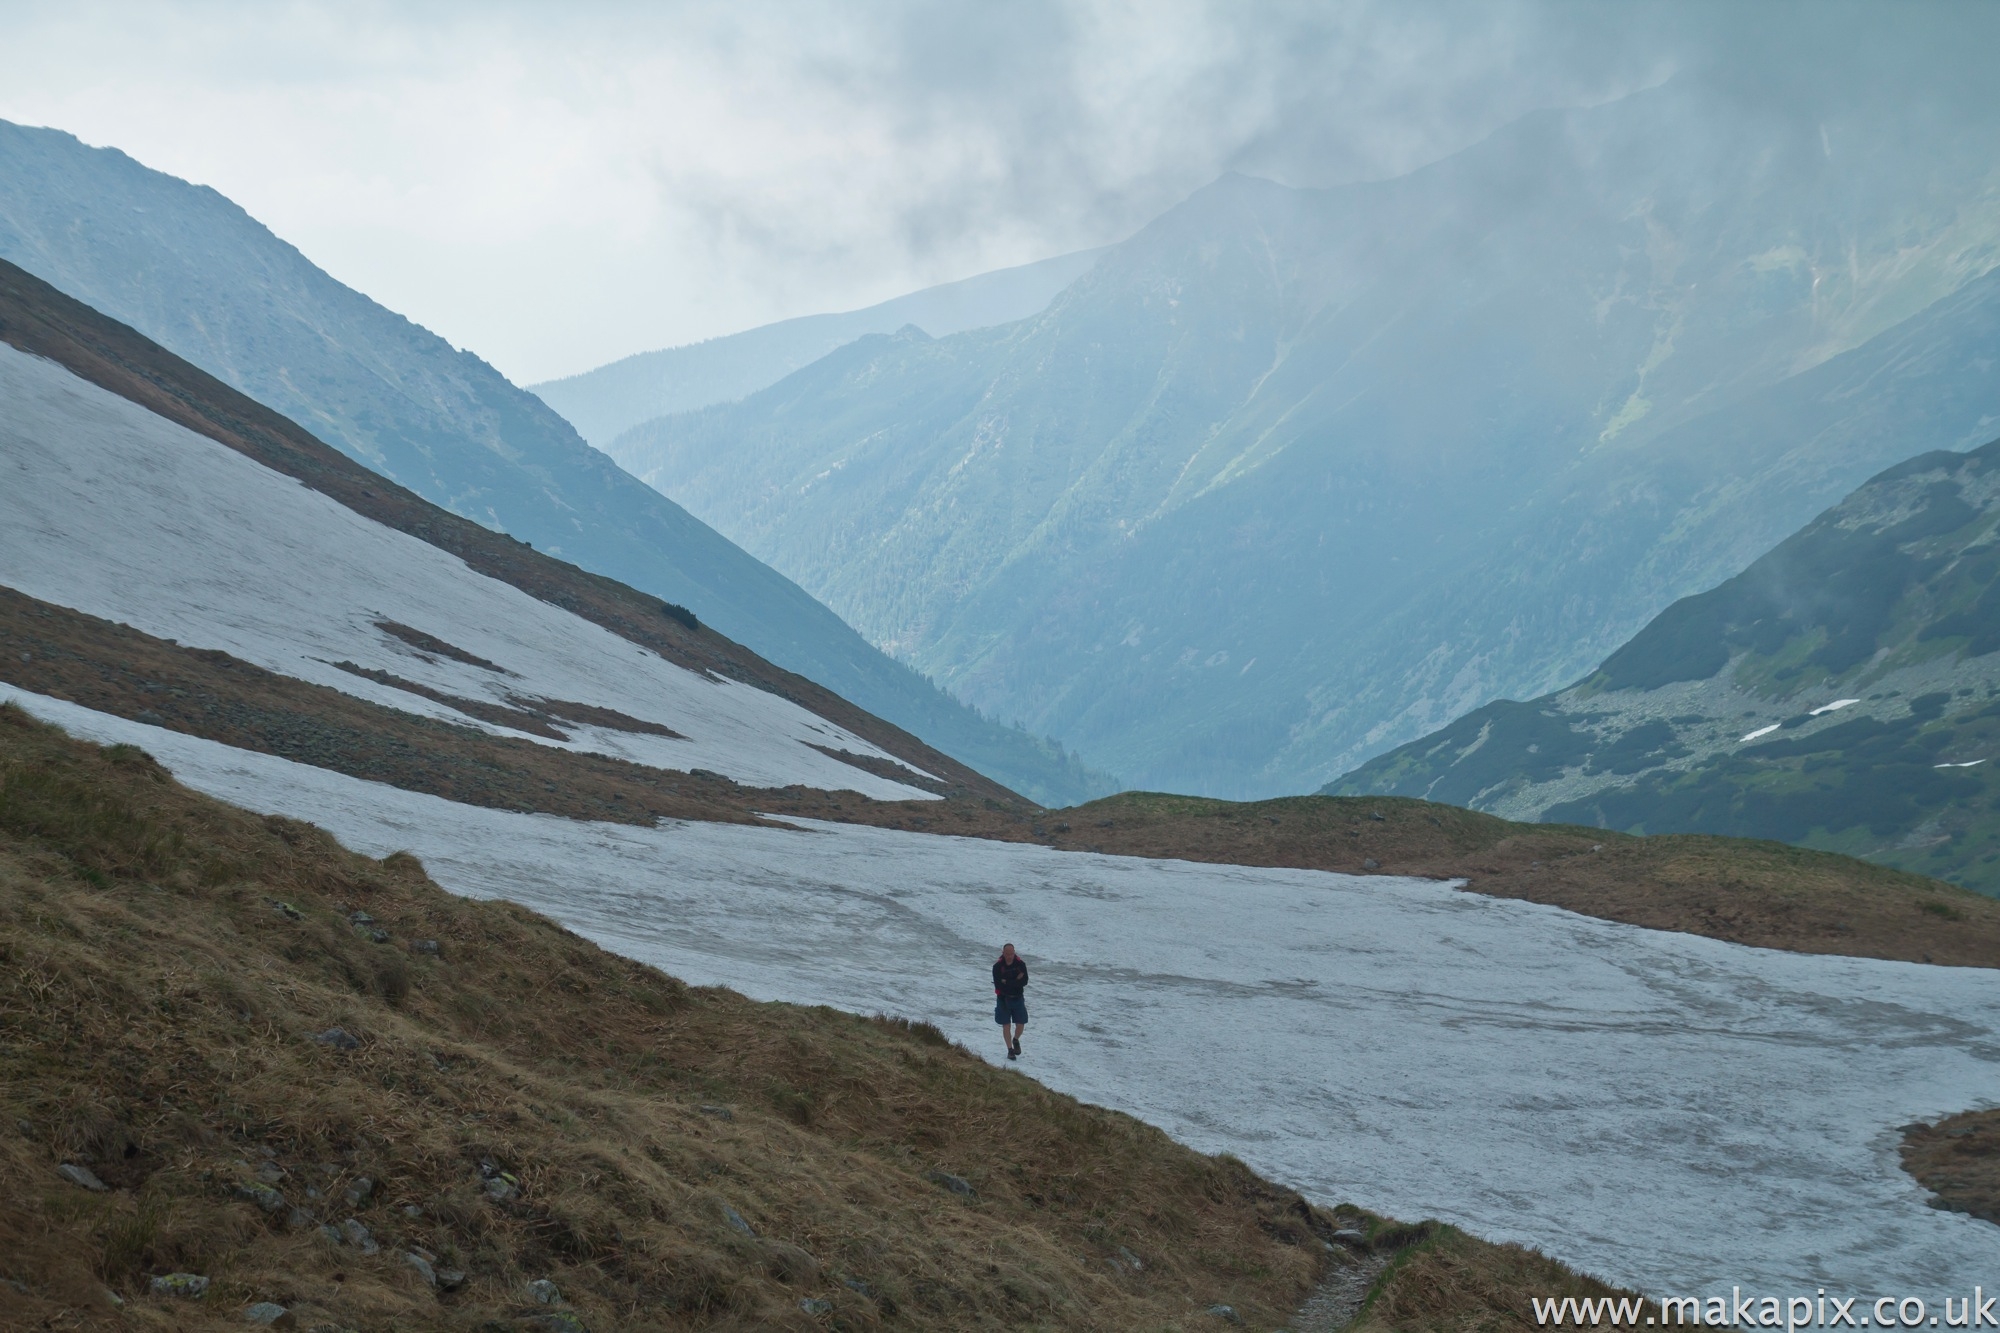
(1767, 894)
(1958, 1160)
(157, 1007)
(1759, 893)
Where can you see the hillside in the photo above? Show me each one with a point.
(512, 1106)
(1838, 693)
(1292, 476)
(606, 402)
(193, 272)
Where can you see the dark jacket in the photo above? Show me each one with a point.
(1010, 979)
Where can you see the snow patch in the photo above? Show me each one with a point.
(108, 509)
(1761, 731)
(1833, 707)
(1517, 1069)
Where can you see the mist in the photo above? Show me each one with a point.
(554, 188)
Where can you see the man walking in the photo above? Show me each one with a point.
(1010, 1008)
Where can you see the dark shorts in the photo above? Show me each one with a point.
(1009, 1009)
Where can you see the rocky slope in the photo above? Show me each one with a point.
(1842, 692)
(1294, 475)
(192, 271)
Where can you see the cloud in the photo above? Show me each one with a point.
(555, 186)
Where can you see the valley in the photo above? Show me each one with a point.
(1452, 618)
(1293, 476)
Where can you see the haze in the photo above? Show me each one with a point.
(555, 187)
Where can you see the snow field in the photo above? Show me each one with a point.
(108, 509)
(1663, 1110)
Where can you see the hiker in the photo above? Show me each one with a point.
(1010, 978)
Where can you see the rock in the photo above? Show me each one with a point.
(1596, 846)
(502, 1188)
(1376, 816)
(856, 1284)
(191, 1286)
(423, 1267)
(719, 1112)
(411, 1210)
(82, 1175)
(1227, 1313)
(110, 1298)
(338, 1038)
(814, 1305)
(261, 1194)
(360, 919)
(425, 947)
(330, 1234)
(1370, 863)
(269, 1313)
(958, 1185)
(450, 1279)
(27, 1128)
(360, 1192)
(359, 1236)
(286, 910)
(1352, 1239)
(271, 1173)
(1131, 1260)
(299, 1219)
(735, 1221)
(544, 1292)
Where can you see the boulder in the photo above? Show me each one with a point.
(189, 1286)
(958, 1185)
(82, 1175)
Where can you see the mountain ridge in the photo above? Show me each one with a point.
(1837, 693)
(1171, 517)
(606, 402)
(196, 273)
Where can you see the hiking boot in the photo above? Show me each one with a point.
(1014, 1049)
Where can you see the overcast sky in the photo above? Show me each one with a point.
(558, 185)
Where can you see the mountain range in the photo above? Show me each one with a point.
(606, 402)
(194, 272)
(1294, 475)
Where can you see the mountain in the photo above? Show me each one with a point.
(606, 402)
(1292, 476)
(239, 610)
(197, 274)
(1843, 692)
(173, 551)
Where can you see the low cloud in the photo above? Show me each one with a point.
(558, 186)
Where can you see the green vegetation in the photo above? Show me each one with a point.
(1718, 717)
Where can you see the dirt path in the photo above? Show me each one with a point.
(1335, 1303)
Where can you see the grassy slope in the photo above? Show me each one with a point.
(1890, 600)
(1755, 893)
(155, 1016)
(1761, 893)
